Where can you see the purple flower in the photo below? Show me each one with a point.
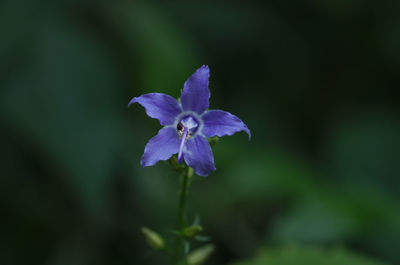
(187, 125)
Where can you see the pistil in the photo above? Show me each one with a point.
(183, 140)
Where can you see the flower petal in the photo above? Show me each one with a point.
(161, 147)
(199, 156)
(195, 94)
(159, 106)
(221, 123)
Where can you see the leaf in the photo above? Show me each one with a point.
(196, 220)
(202, 238)
(186, 246)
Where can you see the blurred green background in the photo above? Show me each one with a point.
(315, 81)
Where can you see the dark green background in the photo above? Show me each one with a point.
(317, 82)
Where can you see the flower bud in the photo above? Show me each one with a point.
(153, 238)
(200, 255)
(192, 230)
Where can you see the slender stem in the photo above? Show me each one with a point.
(182, 201)
(181, 214)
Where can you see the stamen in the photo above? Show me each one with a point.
(184, 136)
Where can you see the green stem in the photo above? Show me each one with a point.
(182, 201)
(181, 214)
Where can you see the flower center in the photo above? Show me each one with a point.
(187, 122)
(186, 127)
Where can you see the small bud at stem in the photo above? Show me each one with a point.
(192, 230)
(200, 255)
(153, 238)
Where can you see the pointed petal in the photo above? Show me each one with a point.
(159, 106)
(221, 123)
(199, 156)
(161, 147)
(195, 94)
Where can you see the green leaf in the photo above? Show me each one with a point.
(202, 238)
(186, 246)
